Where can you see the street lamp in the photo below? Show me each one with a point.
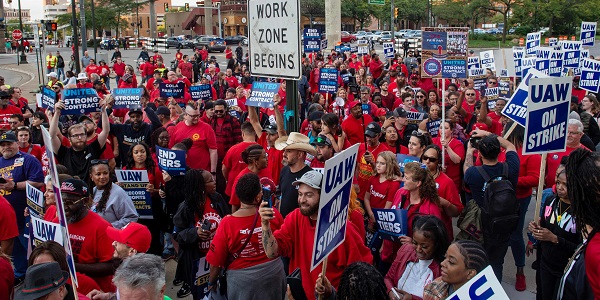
(23, 56)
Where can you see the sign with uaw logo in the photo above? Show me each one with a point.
(444, 52)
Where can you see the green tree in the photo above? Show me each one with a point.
(503, 7)
(456, 13)
(412, 10)
(359, 10)
(14, 24)
(312, 9)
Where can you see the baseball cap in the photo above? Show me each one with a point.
(52, 74)
(315, 116)
(4, 94)
(134, 235)
(8, 136)
(83, 118)
(373, 129)
(135, 109)
(353, 104)
(481, 126)
(98, 81)
(162, 110)
(270, 129)
(322, 140)
(74, 186)
(380, 112)
(413, 76)
(311, 178)
(401, 74)
(400, 113)
(126, 77)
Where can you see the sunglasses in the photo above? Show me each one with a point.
(430, 159)
(492, 82)
(99, 162)
(417, 133)
(219, 111)
(470, 94)
(419, 97)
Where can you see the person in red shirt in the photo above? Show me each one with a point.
(233, 163)
(228, 53)
(156, 56)
(454, 152)
(6, 110)
(232, 81)
(367, 154)
(354, 63)
(82, 81)
(92, 249)
(24, 139)
(126, 82)
(577, 91)
(398, 84)
(255, 158)
(186, 67)
(375, 66)
(574, 134)
(119, 69)
(203, 154)
(92, 68)
(296, 236)
(324, 151)
(8, 226)
(355, 124)
(383, 185)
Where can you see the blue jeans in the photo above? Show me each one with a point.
(516, 242)
(20, 253)
(61, 73)
(117, 78)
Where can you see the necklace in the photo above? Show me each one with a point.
(561, 211)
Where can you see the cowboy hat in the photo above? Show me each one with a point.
(295, 141)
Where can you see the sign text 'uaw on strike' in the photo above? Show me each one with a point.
(274, 40)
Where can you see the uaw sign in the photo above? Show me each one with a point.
(588, 33)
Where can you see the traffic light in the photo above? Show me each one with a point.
(395, 12)
(51, 26)
(187, 7)
(166, 7)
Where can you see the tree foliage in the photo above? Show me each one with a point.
(560, 16)
(456, 13)
(412, 10)
(108, 14)
(503, 7)
(312, 8)
(359, 10)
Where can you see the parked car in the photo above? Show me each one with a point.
(413, 34)
(493, 31)
(401, 33)
(244, 41)
(179, 43)
(386, 38)
(348, 37)
(213, 43)
(234, 40)
(478, 31)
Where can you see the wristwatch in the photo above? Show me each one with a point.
(15, 186)
(214, 173)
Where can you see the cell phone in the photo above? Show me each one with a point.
(267, 196)
(2, 180)
(206, 225)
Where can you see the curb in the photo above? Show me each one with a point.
(31, 75)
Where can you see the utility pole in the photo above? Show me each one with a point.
(153, 22)
(83, 30)
(2, 29)
(208, 18)
(333, 21)
(75, 36)
(23, 59)
(93, 30)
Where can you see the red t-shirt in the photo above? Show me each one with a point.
(35, 151)
(552, 163)
(529, 173)
(592, 264)
(203, 137)
(358, 219)
(403, 149)
(234, 200)
(447, 190)
(8, 221)
(90, 244)
(297, 236)
(274, 159)
(5, 114)
(108, 149)
(365, 171)
(452, 169)
(382, 192)
(232, 234)
(215, 221)
(234, 163)
(7, 277)
(355, 128)
(50, 213)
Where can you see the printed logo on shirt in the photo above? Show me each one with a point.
(195, 137)
(376, 194)
(19, 161)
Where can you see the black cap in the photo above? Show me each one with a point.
(74, 186)
(162, 110)
(315, 115)
(322, 140)
(135, 109)
(373, 129)
(98, 81)
(400, 113)
(83, 118)
(270, 129)
(4, 95)
(8, 136)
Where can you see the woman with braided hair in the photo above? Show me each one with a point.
(583, 175)
(255, 157)
(110, 201)
(464, 259)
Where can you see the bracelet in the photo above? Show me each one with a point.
(212, 284)
(15, 186)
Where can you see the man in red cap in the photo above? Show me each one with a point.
(132, 239)
(354, 126)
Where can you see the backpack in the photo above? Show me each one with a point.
(500, 207)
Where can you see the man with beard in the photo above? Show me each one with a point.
(324, 152)
(91, 130)
(295, 148)
(78, 158)
(398, 84)
(6, 110)
(136, 130)
(92, 249)
(354, 125)
(17, 169)
(315, 122)
(296, 236)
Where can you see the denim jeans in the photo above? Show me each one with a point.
(61, 73)
(495, 246)
(20, 253)
(517, 244)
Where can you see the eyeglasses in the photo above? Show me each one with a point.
(99, 162)
(71, 202)
(430, 159)
(417, 133)
(219, 111)
(420, 97)
(364, 93)
(470, 94)
(78, 136)
(12, 122)
(193, 116)
(492, 82)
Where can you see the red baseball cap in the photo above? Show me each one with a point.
(353, 104)
(380, 112)
(481, 126)
(134, 235)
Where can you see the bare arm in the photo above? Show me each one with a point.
(96, 269)
(483, 113)
(103, 135)
(253, 116)
(468, 157)
(449, 208)
(459, 107)
(7, 246)
(214, 156)
(279, 116)
(214, 275)
(53, 131)
(268, 239)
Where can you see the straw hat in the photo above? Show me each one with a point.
(295, 141)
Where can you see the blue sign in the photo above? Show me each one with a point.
(388, 50)
(126, 98)
(391, 223)
(547, 115)
(533, 41)
(345, 77)
(542, 60)
(48, 98)
(590, 75)
(174, 90)
(35, 201)
(324, 44)
(572, 51)
(330, 231)
(352, 49)
(134, 183)
(80, 101)
(473, 62)
(556, 63)
(328, 80)
(518, 54)
(171, 161)
(484, 285)
(312, 39)
(588, 33)
(516, 107)
(262, 94)
(454, 68)
(527, 64)
(201, 92)
(434, 40)
(403, 159)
